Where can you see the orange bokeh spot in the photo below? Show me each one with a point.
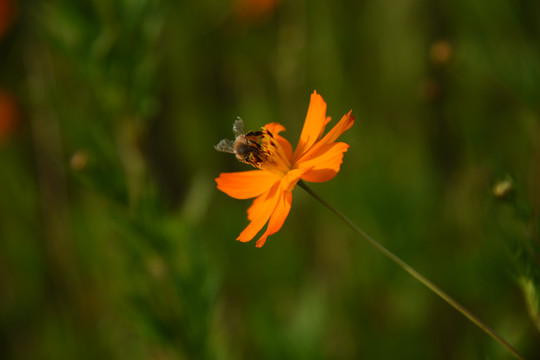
(8, 14)
(254, 10)
(8, 115)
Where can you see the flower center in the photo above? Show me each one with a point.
(269, 155)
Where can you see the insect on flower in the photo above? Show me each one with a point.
(317, 158)
(246, 147)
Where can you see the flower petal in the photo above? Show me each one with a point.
(323, 163)
(246, 184)
(260, 211)
(257, 210)
(255, 207)
(320, 175)
(278, 216)
(346, 122)
(313, 126)
(275, 129)
(291, 178)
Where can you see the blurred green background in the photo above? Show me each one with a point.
(116, 244)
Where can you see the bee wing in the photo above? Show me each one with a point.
(225, 145)
(238, 127)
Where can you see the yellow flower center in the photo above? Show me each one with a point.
(270, 155)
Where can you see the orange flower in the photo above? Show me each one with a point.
(253, 10)
(316, 159)
(9, 115)
(8, 14)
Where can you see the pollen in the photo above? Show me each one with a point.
(273, 156)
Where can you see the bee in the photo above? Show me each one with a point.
(246, 146)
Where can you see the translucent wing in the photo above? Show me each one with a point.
(225, 145)
(238, 127)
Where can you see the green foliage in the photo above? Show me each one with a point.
(518, 224)
(115, 243)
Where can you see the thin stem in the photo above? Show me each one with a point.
(415, 273)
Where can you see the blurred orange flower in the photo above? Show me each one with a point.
(253, 10)
(316, 159)
(8, 14)
(8, 115)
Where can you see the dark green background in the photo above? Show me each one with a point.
(116, 244)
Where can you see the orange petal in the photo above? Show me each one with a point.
(323, 163)
(328, 119)
(288, 182)
(320, 175)
(283, 201)
(246, 184)
(255, 207)
(313, 126)
(278, 217)
(346, 122)
(260, 210)
(275, 129)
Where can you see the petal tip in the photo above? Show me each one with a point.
(241, 239)
(260, 243)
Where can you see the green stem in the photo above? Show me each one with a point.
(415, 273)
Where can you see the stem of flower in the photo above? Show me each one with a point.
(415, 273)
